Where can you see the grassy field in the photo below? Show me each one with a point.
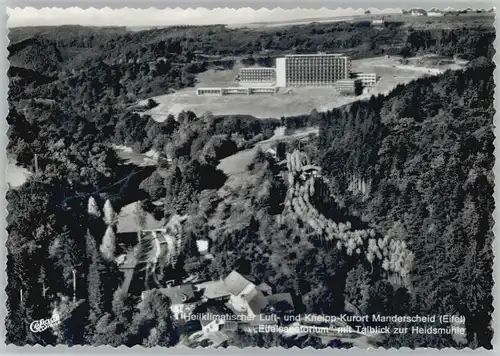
(235, 165)
(299, 101)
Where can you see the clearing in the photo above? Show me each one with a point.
(299, 101)
(235, 166)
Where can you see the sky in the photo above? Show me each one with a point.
(31, 16)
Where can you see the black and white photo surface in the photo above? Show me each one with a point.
(233, 178)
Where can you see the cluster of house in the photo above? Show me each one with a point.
(234, 303)
(434, 12)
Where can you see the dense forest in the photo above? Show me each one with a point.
(406, 183)
(425, 154)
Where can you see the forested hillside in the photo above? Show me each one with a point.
(425, 152)
(124, 66)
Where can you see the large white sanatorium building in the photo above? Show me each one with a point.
(295, 70)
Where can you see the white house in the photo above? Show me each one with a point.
(418, 12)
(215, 317)
(435, 13)
(245, 297)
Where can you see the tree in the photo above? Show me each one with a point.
(110, 217)
(281, 150)
(154, 185)
(153, 323)
(357, 286)
(108, 245)
(93, 209)
(115, 328)
(67, 255)
(94, 284)
(151, 104)
(69, 313)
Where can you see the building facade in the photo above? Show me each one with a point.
(435, 14)
(296, 70)
(349, 86)
(257, 75)
(367, 79)
(237, 90)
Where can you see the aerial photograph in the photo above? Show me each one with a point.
(316, 182)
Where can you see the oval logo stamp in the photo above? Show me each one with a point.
(38, 326)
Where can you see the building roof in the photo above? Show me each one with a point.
(256, 68)
(310, 167)
(230, 326)
(251, 278)
(179, 294)
(347, 81)
(213, 289)
(257, 302)
(126, 261)
(218, 338)
(202, 245)
(285, 297)
(235, 283)
(266, 288)
(127, 220)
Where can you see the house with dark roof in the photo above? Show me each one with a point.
(183, 299)
(213, 290)
(281, 300)
(235, 283)
(245, 297)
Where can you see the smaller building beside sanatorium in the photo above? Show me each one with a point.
(237, 90)
(257, 75)
(367, 79)
(349, 86)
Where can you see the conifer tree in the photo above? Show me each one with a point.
(94, 285)
(108, 246)
(93, 208)
(109, 214)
